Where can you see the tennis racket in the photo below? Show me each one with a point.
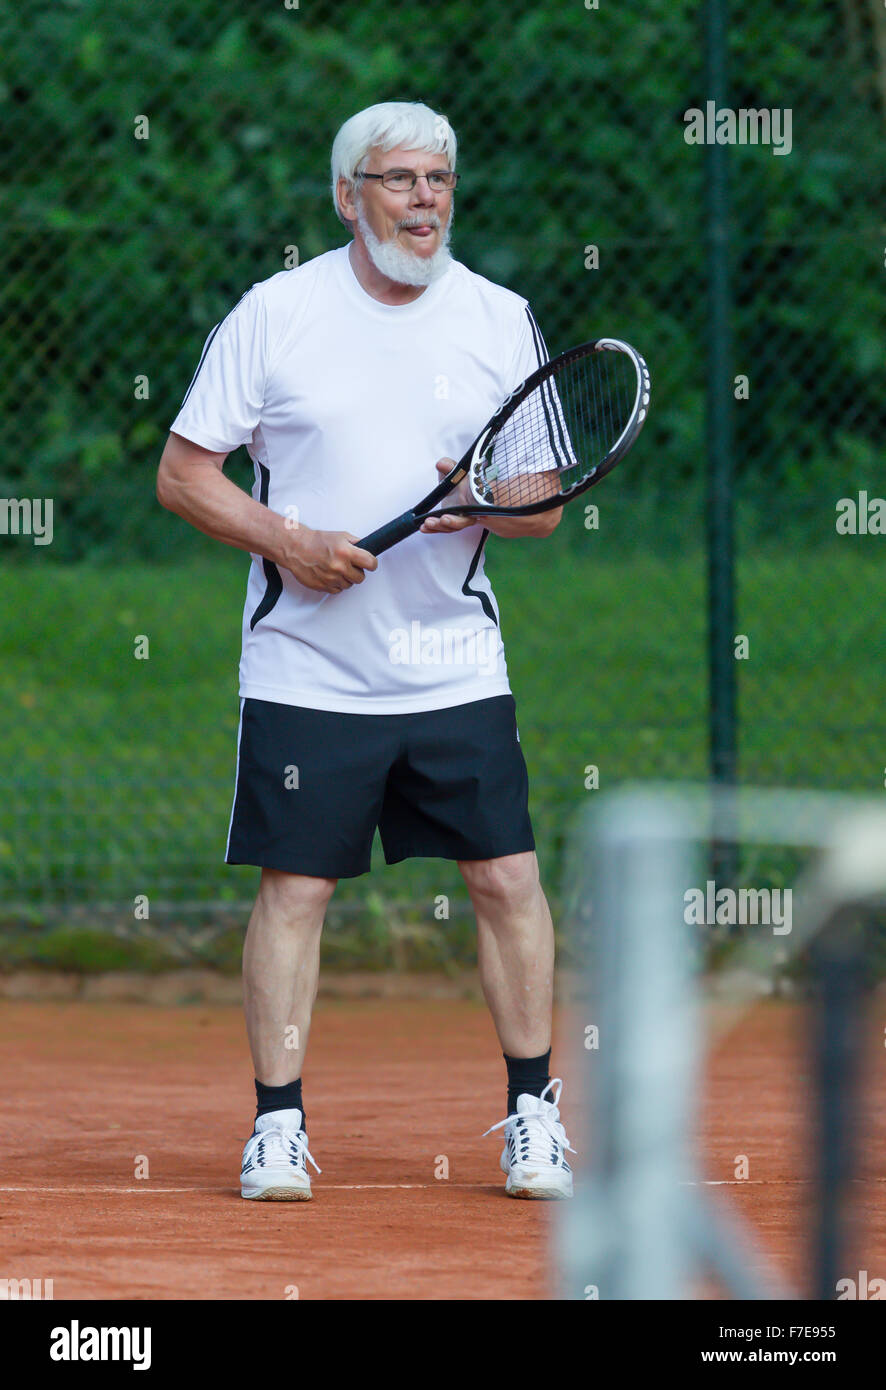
(557, 434)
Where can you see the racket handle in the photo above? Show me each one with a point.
(389, 535)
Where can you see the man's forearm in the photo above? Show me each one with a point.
(515, 492)
(511, 527)
(222, 510)
(196, 489)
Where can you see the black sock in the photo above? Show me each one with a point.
(286, 1097)
(527, 1076)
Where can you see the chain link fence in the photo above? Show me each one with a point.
(158, 161)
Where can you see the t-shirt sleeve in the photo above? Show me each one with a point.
(536, 438)
(530, 351)
(224, 401)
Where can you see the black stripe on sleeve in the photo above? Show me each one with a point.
(206, 347)
(552, 414)
(208, 344)
(541, 352)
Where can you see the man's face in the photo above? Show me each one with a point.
(416, 221)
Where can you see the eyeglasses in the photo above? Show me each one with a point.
(404, 180)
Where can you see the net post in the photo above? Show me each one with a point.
(627, 1237)
(838, 966)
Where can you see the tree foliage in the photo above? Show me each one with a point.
(121, 253)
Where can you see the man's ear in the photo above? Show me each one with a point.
(345, 193)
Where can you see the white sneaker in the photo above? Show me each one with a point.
(274, 1168)
(534, 1155)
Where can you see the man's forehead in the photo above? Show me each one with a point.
(401, 158)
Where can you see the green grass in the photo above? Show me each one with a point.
(116, 774)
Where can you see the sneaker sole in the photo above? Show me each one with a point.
(537, 1192)
(279, 1194)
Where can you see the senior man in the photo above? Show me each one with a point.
(345, 379)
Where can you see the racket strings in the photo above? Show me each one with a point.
(563, 431)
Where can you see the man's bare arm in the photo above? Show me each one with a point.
(191, 482)
(540, 524)
(530, 487)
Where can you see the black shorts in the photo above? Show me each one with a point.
(312, 785)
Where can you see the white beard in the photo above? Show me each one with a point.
(401, 265)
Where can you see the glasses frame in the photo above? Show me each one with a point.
(415, 178)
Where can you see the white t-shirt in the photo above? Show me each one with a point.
(344, 405)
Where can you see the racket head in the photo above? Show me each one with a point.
(562, 430)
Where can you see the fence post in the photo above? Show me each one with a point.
(720, 521)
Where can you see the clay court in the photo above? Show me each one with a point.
(94, 1091)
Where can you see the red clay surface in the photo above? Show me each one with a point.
(390, 1086)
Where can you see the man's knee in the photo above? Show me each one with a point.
(294, 896)
(511, 878)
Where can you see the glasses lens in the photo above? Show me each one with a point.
(400, 180)
(403, 180)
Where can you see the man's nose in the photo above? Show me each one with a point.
(422, 192)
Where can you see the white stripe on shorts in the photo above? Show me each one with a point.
(236, 779)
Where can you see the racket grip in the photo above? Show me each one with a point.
(389, 535)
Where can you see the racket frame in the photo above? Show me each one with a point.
(467, 467)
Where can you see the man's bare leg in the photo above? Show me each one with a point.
(515, 947)
(516, 954)
(281, 964)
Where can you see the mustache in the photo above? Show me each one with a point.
(416, 220)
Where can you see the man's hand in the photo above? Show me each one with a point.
(461, 496)
(326, 560)
(191, 483)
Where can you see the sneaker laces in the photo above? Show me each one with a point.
(537, 1128)
(274, 1147)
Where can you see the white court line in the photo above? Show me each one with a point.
(396, 1186)
(388, 1186)
(230, 1187)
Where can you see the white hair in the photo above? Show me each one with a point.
(386, 126)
